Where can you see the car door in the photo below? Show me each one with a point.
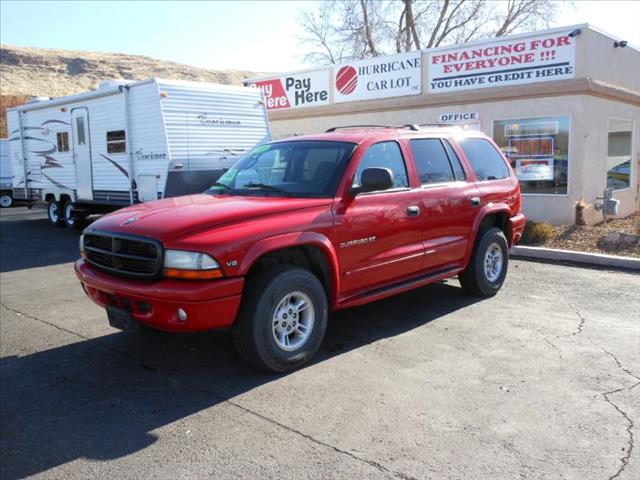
(378, 236)
(449, 203)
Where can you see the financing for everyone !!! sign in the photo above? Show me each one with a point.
(508, 62)
(378, 77)
(309, 89)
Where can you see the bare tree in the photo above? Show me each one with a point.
(352, 29)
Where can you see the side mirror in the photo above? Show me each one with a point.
(374, 179)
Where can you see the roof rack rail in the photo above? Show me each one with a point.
(408, 126)
(440, 124)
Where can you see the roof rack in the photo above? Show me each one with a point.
(408, 126)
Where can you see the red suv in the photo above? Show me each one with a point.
(303, 226)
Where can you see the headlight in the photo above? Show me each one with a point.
(81, 246)
(190, 265)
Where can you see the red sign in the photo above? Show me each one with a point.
(346, 80)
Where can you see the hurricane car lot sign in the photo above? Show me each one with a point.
(509, 62)
(378, 77)
(307, 89)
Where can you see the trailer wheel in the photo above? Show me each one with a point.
(6, 200)
(74, 223)
(54, 213)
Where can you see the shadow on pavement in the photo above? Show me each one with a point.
(102, 398)
(28, 240)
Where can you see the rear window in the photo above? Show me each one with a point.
(485, 160)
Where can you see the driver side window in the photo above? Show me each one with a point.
(384, 155)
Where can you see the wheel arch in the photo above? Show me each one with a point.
(309, 250)
(495, 215)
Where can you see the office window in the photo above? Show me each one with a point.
(619, 154)
(432, 161)
(116, 142)
(63, 141)
(538, 151)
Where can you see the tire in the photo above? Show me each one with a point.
(6, 200)
(71, 222)
(260, 332)
(488, 265)
(54, 213)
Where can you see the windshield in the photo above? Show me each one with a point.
(295, 168)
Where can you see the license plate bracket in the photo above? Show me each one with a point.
(121, 319)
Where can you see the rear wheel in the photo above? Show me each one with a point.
(54, 213)
(282, 319)
(487, 267)
(6, 200)
(74, 223)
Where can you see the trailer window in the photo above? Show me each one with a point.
(116, 142)
(63, 141)
(80, 130)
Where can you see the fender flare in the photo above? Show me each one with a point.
(296, 239)
(488, 209)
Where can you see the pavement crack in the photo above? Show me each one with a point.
(624, 460)
(371, 463)
(581, 317)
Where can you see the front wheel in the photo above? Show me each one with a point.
(487, 267)
(54, 213)
(282, 319)
(6, 200)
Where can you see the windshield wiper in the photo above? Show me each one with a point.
(265, 187)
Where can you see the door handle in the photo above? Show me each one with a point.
(475, 202)
(413, 211)
(178, 166)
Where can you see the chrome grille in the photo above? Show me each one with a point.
(123, 254)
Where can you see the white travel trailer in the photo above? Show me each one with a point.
(129, 142)
(6, 186)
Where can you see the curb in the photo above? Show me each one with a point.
(599, 259)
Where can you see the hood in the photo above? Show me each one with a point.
(172, 217)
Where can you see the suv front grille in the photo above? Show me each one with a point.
(123, 254)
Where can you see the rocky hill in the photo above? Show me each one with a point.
(26, 72)
(53, 73)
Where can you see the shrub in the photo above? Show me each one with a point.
(535, 232)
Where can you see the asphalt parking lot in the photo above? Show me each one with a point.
(541, 381)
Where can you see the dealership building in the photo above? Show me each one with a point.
(563, 105)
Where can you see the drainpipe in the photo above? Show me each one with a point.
(125, 90)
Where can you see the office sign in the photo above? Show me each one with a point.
(517, 61)
(378, 77)
(459, 117)
(307, 89)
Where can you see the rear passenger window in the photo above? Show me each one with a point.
(455, 161)
(384, 155)
(484, 159)
(432, 161)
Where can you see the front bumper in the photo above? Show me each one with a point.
(208, 305)
(516, 228)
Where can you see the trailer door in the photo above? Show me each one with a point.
(82, 153)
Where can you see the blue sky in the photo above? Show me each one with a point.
(257, 36)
